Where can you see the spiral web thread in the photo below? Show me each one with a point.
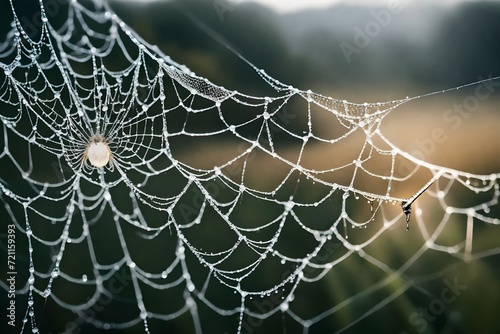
(93, 75)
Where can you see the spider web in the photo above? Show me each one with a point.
(178, 234)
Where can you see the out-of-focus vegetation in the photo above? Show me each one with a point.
(424, 46)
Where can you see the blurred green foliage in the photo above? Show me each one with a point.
(428, 45)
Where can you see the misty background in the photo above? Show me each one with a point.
(421, 48)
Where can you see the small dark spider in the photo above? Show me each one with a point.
(406, 204)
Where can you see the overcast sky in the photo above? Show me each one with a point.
(293, 5)
(285, 6)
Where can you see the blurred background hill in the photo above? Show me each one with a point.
(425, 46)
